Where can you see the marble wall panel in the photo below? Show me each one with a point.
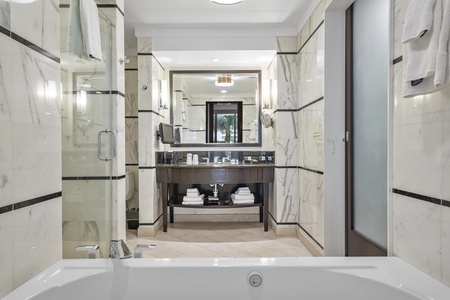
(311, 127)
(37, 239)
(6, 164)
(287, 80)
(134, 202)
(287, 44)
(36, 22)
(286, 127)
(417, 233)
(131, 93)
(5, 15)
(445, 144)
(311, 215)
(132, 136)
(287, 193)
(417, 130)
(445, 247)
(145, 82)
(7, 252)
(150, 207)
(312, 69)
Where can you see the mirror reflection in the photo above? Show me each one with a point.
(220, 108)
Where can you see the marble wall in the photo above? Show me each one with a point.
(149, 116)
(30, 134)
(299, 130)
(132, 126)
(420, 199)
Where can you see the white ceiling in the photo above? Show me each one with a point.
(283, 17)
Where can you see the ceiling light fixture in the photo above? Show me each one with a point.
(226, 2)
(224, 80)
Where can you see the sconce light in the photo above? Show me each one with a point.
(162, 86)
(224, 80)
(266, 94)
(81, 102)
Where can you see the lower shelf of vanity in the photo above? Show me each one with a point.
(175, 201)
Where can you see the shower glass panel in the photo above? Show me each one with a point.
(87, 144)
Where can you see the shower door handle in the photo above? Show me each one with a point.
(114, 145)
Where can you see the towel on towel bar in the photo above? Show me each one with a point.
(90, 26)
(418, 19)
(75, 45)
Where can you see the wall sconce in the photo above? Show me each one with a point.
(162, 87)
(267, 94)
(81, 103)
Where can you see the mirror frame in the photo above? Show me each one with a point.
(218, 145)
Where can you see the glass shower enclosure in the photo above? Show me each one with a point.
(88, 144)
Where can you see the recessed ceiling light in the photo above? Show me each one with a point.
(227, 2)
(223, 91)
(215, 59)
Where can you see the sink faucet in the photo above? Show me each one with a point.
(140, 248)
(119, 249)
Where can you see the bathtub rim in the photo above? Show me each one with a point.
(403, 275)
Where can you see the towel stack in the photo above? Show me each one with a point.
(425, 39)
(243, 195)
(193, 197)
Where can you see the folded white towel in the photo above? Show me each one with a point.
(242, 197)
(442, 59)
(418, 19)
(243, 201)
(90, 26)
(192, 190)
(192, 202)
(193, 199)
(75, 44)
(419, 58)
(192, 194)
(244, 192)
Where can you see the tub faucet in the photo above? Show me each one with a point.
(92, 250)
(140, 248)
(119, 250)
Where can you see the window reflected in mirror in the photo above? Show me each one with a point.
(224, 121)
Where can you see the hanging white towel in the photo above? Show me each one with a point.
(90, 26)
(74, 33)
(441, 76)
(419, 57)
(418, 19)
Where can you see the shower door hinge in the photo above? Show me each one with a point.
(347, 136)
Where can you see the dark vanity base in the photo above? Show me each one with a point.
(169, 177)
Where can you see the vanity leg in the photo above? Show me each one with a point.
(266, 206)
(164, 202)
(171, 213)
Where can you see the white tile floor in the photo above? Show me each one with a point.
(218, 240)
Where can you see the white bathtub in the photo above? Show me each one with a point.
(227, 278)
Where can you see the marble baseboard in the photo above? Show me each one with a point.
(309, 243)
(212, 218)
(282, 229)
(150, 230)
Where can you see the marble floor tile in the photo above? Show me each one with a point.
(218, 240)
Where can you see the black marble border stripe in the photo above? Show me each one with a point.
(286, 110)
(150, 111)
(29, 44)
(131, 69)
(311, 103)
(151, 224)
(285, 167)
(311, 170)
(93, 177)
(30, 202)
(132, 165)
(445, 203)
(131, 117)
(397, 60)
(98, 5)
(145, 54)
(311, 35)
(287, 53)
(111, 6)
(5, 31)
(146, 168)
(418, 196)
(310, 236)
(98, 92)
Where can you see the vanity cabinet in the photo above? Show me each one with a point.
(170, 176)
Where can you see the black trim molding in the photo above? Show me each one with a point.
(150, 111)
(421, 197)
(146, 168)
(30, 202)
(311, 170)
(397, 60)
(310, 236)
(150, 224)
(93, 177)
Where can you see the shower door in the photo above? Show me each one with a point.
(88, 145)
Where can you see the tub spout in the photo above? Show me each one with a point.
(92, 250)
(140, 248)
(119, 250)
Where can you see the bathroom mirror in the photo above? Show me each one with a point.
(218, 108)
